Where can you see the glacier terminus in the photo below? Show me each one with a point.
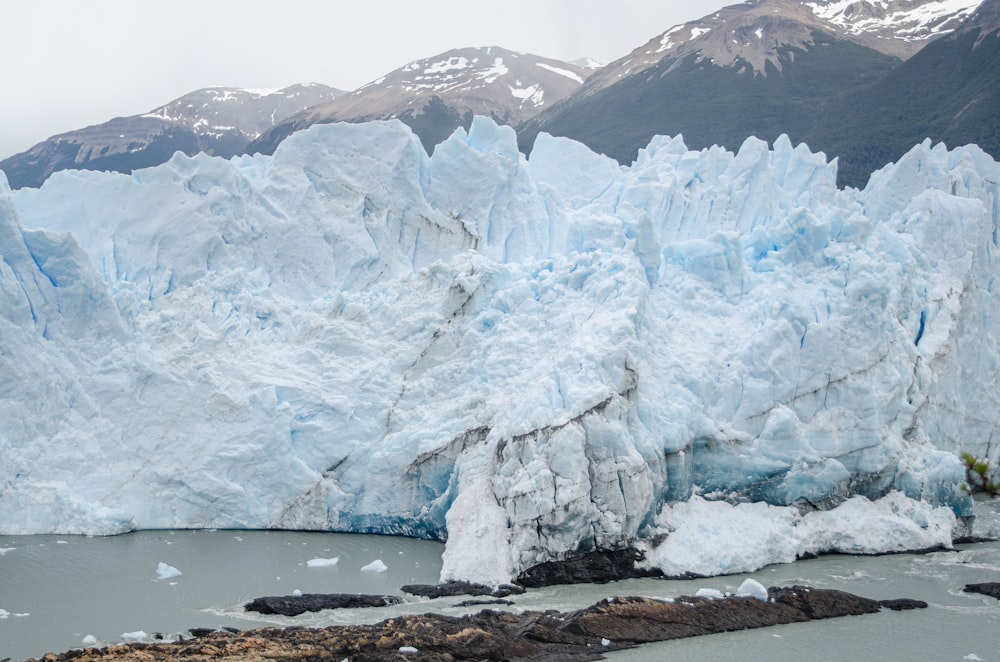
(719, 359)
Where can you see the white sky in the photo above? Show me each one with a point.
(73, 63)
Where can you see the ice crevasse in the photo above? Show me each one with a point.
(721, 359)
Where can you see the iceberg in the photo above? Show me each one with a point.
(165, 571)
(322, 562)
(538, 356)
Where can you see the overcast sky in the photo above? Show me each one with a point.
(72, 63)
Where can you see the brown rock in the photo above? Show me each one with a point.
(494, 635)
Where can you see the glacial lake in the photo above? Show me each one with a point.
(57, 590)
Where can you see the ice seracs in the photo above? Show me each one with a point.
(719, 358)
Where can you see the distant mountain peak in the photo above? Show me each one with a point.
(219, 109)
(587, 63)
(752, 32)
(217, 120)
(912, 22)
(484, 71)
(436, 95)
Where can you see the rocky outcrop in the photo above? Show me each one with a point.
(450, 589)
(594, 568)
(293, 605)
(613, 624)
(991, 589)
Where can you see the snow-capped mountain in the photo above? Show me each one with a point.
(436, 95)
(718, 358)
(949, 91)
(898, 27)
(219, 110)
(986, 19)
(768, 67)
(218, 120)
(753, 32)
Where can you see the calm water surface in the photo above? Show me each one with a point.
(59, 589)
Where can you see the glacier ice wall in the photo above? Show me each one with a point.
(546, 356)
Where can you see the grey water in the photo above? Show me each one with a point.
(57, 590)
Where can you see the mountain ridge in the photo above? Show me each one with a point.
(219, 121)
(749, 31)
(449, 88)
(819, 87)
(436, 95)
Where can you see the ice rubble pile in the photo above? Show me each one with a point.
(536, 357)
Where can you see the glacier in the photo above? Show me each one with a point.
(720, 359)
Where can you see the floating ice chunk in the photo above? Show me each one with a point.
(138, 635)
(710, 593)
(6, 614)
(605, 642)
(375, 566)
(322, 563)
(89, 640)
(751, 588)
(408, 650)
(297, 593)
(164, 571)
(4, 550)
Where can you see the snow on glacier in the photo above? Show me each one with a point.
(538, 357)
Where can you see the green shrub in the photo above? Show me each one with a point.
(979, 476)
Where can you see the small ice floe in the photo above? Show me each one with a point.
(972, 656)
(164, 571)
(89, 640)
(710, 593)
(6, 614)
(408, 650)
(375, 566)
(322, 563)
(4, 550)
(605, 642)
(297, 593)
(62, 542)
(751, 588)
(138, 635)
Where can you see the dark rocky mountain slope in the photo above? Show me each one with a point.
(826, 73)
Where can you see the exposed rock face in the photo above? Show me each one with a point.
(614, 624)
(293, 605)
(593, 568)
